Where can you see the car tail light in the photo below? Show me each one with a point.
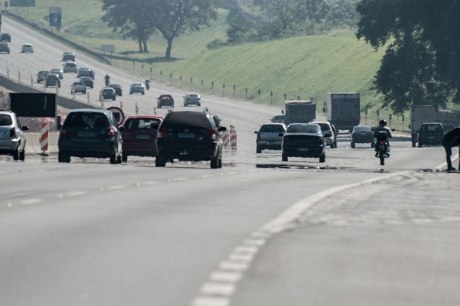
(13, 132)
(211, 134)
(110, 132)
(321, 140)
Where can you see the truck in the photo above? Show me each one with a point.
(420, 114)
(343, 109)
(299, 111)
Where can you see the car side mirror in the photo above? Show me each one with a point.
(222, 129)
(122, 128)
(25, 128)
(393, 130)
(255, 132)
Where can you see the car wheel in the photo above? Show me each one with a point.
(353, 145)
(63, 157)
(215, 163)
(258, 150)
(22, 155)
(420, 144)
(16, 154)
(322, 158)
(124, 157)
(119, 159)
(284, 157)
(160, 161)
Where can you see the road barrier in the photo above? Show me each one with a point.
(233, 138)
(44, 131)
(226, 139)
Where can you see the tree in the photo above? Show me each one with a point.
(132, 18)
(172, 18)
(422, 60)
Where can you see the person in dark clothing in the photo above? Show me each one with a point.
(451, 139)
(382, 128)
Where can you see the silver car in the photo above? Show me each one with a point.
(328, 132)
(12, 137)
(270, 136)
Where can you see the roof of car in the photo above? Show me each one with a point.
(89, 110)
(144, 117)
(29, 45)
(114, 85)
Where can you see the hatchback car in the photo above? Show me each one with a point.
(41, 76)
(5, 37)
(136, 88)
(70, 67)
(12, 137)
(362, 134)
(139, 134)
(27, 48)
(88, 81)
(192, 136)
(90, 133)
(328, 133)
(192, 99)
(78, 87)
(84, 71)
(4, 48)
(430, 134)
(68, 56)
(117, 88)
(304, 140)
(165, 100)
(278, 119)
(58, 71)
(270, 136)
(52, 80)
(107, 93)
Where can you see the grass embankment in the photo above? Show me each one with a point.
(305, 67)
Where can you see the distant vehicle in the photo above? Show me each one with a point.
(69, 67)
(4, 48)
(343, 110)
(52, 80)
(270, 136)
(362, 134)
(137, 88)
(5, 37)
(187, 135)
(78, 87)
(192, 99)
(430, 134)
(278, 119)
(117, 87)
(41, 76)
(107, 93)
(84, 71)
(58, 71)
(420, 114)
(304, 140)
(139, 133)
(329, 133)
(299, 111)
(88, 81)
(12, 136)
(165, 100)
(68, 56)
(90, 133)
(27, 48)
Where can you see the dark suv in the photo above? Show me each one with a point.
(188, 135)
(430, 134)
(90, 133)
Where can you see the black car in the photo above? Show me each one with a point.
(41, 76)
(88, 81)
(90, 133)
(430, 134)
(165, 100)
(118, 89)
(83, 71)
(4, 48)
(192, 136)
(107, 93)
(362, 134)
(304, 140)
(52, 80)
(192, 99)
(68, 56)
(5, 37)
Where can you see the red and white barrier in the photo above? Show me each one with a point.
(44, 131)
(226, 139)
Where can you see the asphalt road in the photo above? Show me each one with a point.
(256, 232)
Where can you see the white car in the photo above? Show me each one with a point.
(27, 48)
(12, 137)
(328, 131)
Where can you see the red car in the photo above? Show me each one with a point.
(139, 134)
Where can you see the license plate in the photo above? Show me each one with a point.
(302, 149)
(143, 137)
(86, 134)
(186, 135)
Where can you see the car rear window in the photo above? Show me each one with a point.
(431, 128)
(86, 119)
(272, 128)
(361, 128)
(187, 119)
(303, 128)
(5, 120)
(142, 123)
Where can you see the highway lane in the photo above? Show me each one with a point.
(98, 234)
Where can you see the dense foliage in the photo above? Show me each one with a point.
(422, 59)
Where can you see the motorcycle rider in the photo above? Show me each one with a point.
(450, 140)
(107, 79)
(147, 84)
(382, 129)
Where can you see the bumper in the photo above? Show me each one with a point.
(267, 145)
(9, 145)
(98, 150)
(310, 151)
(198, 152)
(139, 149)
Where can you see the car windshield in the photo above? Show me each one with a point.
(141, 123)
(272, 128)
(5, 120)
(303, 128)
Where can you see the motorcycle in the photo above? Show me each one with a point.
(107, 80)
(147, 84)
(381, 146)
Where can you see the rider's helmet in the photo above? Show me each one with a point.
(382, 122)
